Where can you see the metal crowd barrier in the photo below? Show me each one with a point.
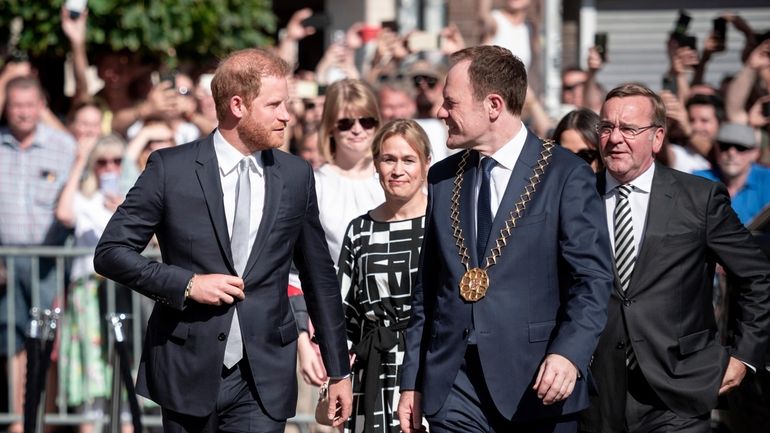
(62, 257)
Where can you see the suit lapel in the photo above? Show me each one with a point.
(273, 188)
(519, 179)
(208, 177)
(661, 205)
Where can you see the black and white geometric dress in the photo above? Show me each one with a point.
(377, 269)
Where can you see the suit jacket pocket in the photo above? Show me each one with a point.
(180, 332)
(695, 342)
(288, 332)
(683, 238)
(541, 331)
(531, 219)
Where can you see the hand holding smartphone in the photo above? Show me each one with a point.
(600, 42)
(75, 7)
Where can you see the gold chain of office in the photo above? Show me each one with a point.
(475, 281)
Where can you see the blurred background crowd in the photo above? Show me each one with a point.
(87, 92)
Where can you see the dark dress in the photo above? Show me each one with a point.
(377, 269)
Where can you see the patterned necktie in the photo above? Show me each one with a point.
(625, 249)
(484, 210)
(625, 253)
(239, 247)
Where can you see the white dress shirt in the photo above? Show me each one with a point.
(506, 158)
(639, 199)
(229, 158)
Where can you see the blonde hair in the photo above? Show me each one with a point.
(109, 144)
(410, 131)
(353, 96)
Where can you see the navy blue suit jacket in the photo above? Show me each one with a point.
(179, 198)
(548, 292)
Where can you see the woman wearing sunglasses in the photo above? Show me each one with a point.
(577, 133)
(347, 185)
(87, 202)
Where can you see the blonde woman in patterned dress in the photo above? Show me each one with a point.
(377, 267)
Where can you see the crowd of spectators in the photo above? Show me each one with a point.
(66, 173)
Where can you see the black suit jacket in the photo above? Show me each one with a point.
(667, 308)
(548, 291)
(179, 198)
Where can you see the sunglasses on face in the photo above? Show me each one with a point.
(588, 155)
(103, 162)
(571, 87)
(724, 147)
(429, 81)
(345, 124)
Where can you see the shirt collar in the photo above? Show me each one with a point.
(229, 158)
(507, 155)
(642, 183)
(752, 180)
(9, 139)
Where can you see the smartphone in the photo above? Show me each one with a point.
(720, 28)
(682, 23)
(600, 42)
(689, 41)
(391, 25)
(338, 37)
(369, 33)
(170, 77)
(306, 89)
(318, 21)
(75, 7)
(669, 83)
(423, 41)
(766, 109)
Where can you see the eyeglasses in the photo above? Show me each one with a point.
(629, 132)
(724, 147)
(103, 162)
(345, 124)
(429, 81)
(588, 155)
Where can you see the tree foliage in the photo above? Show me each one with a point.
(187, 29)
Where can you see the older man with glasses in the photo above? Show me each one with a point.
(659, 365)
(748, 183)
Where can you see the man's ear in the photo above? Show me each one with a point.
(495, 106)
(237, 107)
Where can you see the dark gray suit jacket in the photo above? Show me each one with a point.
(179, 199)
(668, 310)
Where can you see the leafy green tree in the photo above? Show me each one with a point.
(183, 29)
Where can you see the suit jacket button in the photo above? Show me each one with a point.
(620, 345)
(222, 337)
(627, 303)
(465, 333)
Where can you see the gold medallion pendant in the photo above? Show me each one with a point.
(474, 284)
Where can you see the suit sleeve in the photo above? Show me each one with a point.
(586, 253)
(749, 269)
(319, 285)
(118, 253)
(421, 311)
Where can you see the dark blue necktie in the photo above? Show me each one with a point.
(484, 210)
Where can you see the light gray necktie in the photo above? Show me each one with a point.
(239, 247)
